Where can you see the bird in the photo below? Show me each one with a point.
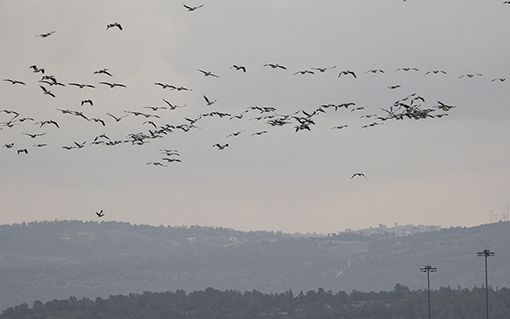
(358, 174)
(275, 66)
(322, 70)
(155, 108)
(80, 145)
(34, 135)
(112, 85)
(9, 145)
(238, 67)
(470, 75)
(46, 91)
(36, 69)
(89, 101)
(15, 81)
(259, 133)
(220, 147)
(435, 72)
(45, 35)
(339, 127)
(97, 120)
(392, 87)
(235, 133)
(156, 164)
(304, 72)
(347, 72)
(192, 8)
(173, 107)
(100, 214)
(24, 150)
(103, 71)
(208, 101)
(48, 122)
(499, 79)
(171, 159)
(375, 71)
(112, 25)
(406, 69)
(208, 73)
(164, 86)
(81, 85)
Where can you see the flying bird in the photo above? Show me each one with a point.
(34, 135)
(36, 69)
(275, 66)
(347, 72)
(304, 72)
(406, 69)
(89, 101)
(112, 85)
(46, 91)
(435, 72)
(322, 70)
(208, 101)
(81, 85)
(45, 35)
(238, 67)
(173, 107)
(112, 25)
(100, 214)
(470, 75)
(48, 122)
(117, 119)
(358, 174)
(103, 71)
(193, 8)
(375, 71)
(14, 81)
(208, 73)
(220, 147)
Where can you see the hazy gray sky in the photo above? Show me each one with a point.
(444, 171)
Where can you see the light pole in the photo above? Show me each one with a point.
(486, 253)
(428, 269)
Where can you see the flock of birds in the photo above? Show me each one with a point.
(409, 107)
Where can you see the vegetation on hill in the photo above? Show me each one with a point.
(401, 303)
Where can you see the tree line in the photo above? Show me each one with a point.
(400, 303)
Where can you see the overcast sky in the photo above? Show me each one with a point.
(449, 171)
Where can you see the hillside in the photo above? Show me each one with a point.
(56, 260)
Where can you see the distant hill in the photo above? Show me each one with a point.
(55, 260)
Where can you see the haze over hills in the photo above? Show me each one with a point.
(56, 260)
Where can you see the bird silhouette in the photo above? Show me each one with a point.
(45, 35)
(238, 67)
(46, 91)
(193, 8)
(113, 25)
(358, 174)
(208, 101)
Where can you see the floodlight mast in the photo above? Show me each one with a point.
(486, 253)
(428, 269)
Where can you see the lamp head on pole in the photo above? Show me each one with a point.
(485, 252)
(428, 268)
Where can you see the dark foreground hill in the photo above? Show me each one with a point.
(56, 260)
(400, 303)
